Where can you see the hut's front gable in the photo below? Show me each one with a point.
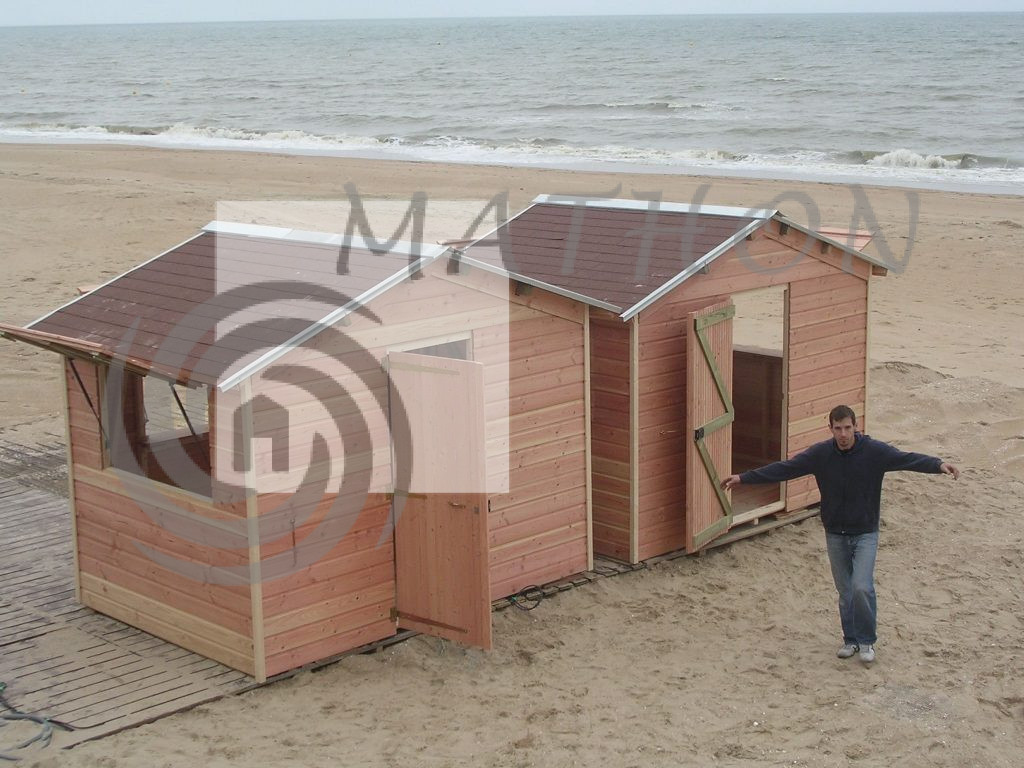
(648, 270)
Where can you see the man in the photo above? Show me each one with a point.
(849, 470)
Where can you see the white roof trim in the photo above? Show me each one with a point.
(693, 269)
(323, 238)
(835, 243)
(655, 205)
(471, 262)
(116, 277)
(330, 319)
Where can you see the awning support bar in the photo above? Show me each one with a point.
(81, 386)
(188, 421)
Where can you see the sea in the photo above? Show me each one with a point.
(930, 100)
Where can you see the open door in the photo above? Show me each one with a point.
(441, 544)
(709, 417)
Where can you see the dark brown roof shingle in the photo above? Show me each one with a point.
(220, 301)
(611, 255)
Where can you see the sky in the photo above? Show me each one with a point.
(14, 13)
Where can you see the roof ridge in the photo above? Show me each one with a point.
(314, 237)
(633, 204)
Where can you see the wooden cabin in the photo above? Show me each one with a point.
(674, 404)
(284, 445)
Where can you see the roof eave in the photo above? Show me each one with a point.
(834, 243)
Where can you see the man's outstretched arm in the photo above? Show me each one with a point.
(776, 472)
(897, 460)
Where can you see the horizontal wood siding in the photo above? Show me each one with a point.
(333, 387)
(610, 436)
(827, 363)
(328, 576)
(538, 529)
(84, 403)
(200, 599)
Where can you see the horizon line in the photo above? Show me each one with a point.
(514, 16)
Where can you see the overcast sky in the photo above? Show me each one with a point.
(15, 12)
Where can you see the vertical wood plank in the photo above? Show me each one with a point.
(65, 383)
(588, 459)
(634, 439)
(253, 521)
(784, 437)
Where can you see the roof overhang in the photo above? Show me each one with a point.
(863, 239)
(93, 353)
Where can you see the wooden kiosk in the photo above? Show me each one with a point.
(284, 445)
(674, 406)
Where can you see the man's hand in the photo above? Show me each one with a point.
(730, 481)
(950, 469)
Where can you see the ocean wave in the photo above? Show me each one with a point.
(905, 158)
(902, 166)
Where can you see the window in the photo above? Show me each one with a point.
(163, 432)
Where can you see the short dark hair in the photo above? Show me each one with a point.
(841, 412)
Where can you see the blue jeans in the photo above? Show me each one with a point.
(852, 558)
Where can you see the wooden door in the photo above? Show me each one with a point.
(441, 544)
(709, 417)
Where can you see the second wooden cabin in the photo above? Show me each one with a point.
(674, 404)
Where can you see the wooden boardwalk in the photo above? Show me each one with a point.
(67, 662)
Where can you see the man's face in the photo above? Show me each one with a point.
(842, 431)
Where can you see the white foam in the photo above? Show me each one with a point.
(900, 167)
(904, 158)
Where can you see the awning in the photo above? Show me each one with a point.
(94, 353)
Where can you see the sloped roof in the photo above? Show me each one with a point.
(620, 255)
(226, 302)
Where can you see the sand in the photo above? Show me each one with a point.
(726, 659)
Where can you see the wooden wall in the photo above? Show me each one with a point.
(538, 530)
(337, 582)
(663, 430)
(532, 346)
(610, 436)
(827, 335)
(116, 512)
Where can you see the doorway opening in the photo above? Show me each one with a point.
(758, 431)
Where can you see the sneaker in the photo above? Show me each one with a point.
(847, 650)
(867, 654)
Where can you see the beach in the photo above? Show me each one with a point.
(726, 659)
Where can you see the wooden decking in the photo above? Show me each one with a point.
(67, 662)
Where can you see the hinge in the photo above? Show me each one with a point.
(698, 434)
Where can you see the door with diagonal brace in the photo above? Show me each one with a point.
(709, 415)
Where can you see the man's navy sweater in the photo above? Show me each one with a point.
(850, 481)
